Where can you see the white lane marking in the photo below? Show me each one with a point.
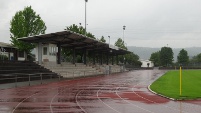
(104, 102)
(142, 98)
(78, 102)
(35, 94)
(51, 103)
(75, 99)
(132, 103)
(23, 101)
(176, 109)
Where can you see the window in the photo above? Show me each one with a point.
(44, 50)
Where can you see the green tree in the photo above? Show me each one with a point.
(120, 43)
(25, 23)
(155, 58)
(102, 39)
(132, 59)
(79, 30)
(183, 57)
(76, 29)
(196, 59)
(3, 57)
(90, 35)
(166, 56)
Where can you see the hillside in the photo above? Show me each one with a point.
(145, 52)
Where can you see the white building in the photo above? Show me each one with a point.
(49, 52)
(147, 63)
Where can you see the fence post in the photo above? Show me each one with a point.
(29, 80)
(41, 82)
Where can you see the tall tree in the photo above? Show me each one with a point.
(79, 30)
(102, 39)
(120, 43)
(183, 57)
(155, 58)
(26, 23)
(166, 56)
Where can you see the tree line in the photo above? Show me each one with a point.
(164, 58)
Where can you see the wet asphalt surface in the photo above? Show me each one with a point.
(117, 93)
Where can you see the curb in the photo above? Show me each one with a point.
(160, 94)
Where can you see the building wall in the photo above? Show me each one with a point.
(50, 55)
(145, 62)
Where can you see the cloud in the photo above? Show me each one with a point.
(147, 21)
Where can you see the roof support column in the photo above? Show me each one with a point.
(117, 59)
(40, 53)
(59, 53)
(107, 60)
(85, 56)
(94, 58)
(9, 56)
(112, 60)
(101, 59)
(74, 56)
(15, 55)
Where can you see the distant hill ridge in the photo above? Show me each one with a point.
(145, 52)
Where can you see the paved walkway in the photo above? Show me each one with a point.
(117, 93)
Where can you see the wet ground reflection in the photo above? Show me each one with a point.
(117, 93)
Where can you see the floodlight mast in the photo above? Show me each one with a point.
(86, 17)
(109, 39)
(124, 27)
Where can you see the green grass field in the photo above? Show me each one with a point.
(169, 84)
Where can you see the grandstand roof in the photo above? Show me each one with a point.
(2, 44)
(71, 39)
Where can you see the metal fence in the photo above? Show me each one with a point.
(22, 77)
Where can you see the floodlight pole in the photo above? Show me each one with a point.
(86, 17)
(109, 39)
(124, 27)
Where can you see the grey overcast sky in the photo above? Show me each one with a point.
(149, 23)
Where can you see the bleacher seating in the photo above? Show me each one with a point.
(69, 70)
(9, 70)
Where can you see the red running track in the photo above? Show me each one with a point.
(116, 93)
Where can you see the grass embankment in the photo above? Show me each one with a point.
(169, 84)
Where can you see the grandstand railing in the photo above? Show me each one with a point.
(29, 77)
